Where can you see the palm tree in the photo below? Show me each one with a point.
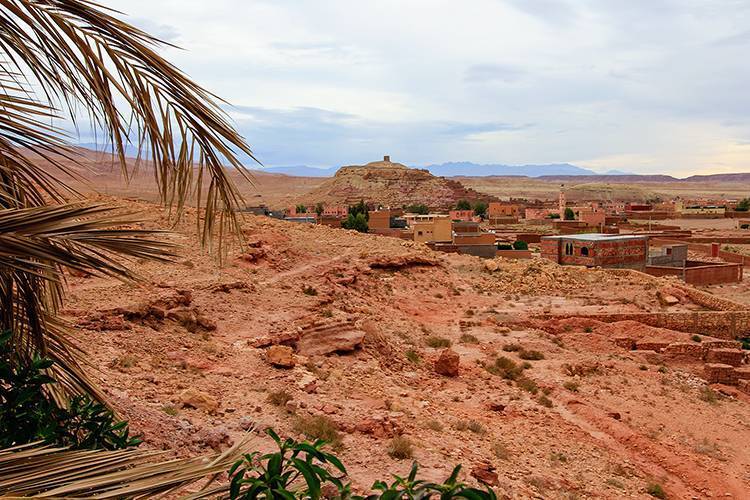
(68, 59)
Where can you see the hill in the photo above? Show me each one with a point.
(453, 169)
(390, 184)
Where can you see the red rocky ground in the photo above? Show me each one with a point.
(183, 356)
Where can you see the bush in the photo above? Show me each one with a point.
(544, 401)
(656, 490)
(696, 338)
(28, 413)
(504, 246)
(309, 290)
(511, 347)
(319, 427)
(520, 245)
(530, 355)
(527, 385)
(468, 338)
(400, 448)
(419, 209)
(571, 386)
(569, 214)
(413, 356)
(480, 208)
(356, 222)
(463, 205)
(505, 368)
(437, 342)
(476, 427)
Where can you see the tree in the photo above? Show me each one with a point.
(420, 209)
(359, 208)
(569, 214)
(520, 245)
(743, 205)
(300, 209)
(463, 205)
(64, 59)
(480, 208)
(319, 208)
(357, 222)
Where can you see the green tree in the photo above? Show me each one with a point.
(520, 245)
(569, 214)
(420, 209)
(743, 205)
(463, 205)
(319, 208)
(360, 208)
(301, 209)
(480, 208)
(357, 222)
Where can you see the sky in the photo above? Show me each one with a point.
(645, 86)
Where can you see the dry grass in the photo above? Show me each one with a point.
(279, 398)
(437, 342)
(400, 448)
(319, 427)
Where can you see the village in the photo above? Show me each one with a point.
(679, 237)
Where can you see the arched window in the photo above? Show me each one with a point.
(585, 251)
(568, 249)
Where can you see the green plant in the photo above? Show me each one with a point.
(356, 222)
(571, 386)
(530, 355)
(505, 368)
(413, 356)
(511, 347)
(28, 413)
(545, 401)
(301, 209)
(569, 214)
(588, 329)
(520, 245)
(527, 385)
(708, 395)
(504, 246)
(400, 447)
(480, 208)
(309, 290)
(412, 488)
(419, 209)
(696, 338)
(319, 427)
(277, 475)
(656, 490)
(468, 338)
(437, 342)
(463, 205)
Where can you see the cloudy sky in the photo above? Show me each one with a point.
(637, 85)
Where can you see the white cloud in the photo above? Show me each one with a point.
(631, 84)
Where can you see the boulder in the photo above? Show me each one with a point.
(485, 474)
(447, 363)
(327, 341)
(193, 398)
(281, 356)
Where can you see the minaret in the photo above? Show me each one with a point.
(562, 200)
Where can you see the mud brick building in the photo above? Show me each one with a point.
(604, 250)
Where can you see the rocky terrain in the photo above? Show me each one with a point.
(396, 353)
(392, 185)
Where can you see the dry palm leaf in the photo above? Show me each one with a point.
(41, 471)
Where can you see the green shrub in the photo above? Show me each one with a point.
(28, 413)
(696, 338)
(504, 246)
(356, 222)
(527, 385)
(571, 386)
(437, 342)
(468, 338)
(511, 347)
(520, 245)
(309, 290)
(413, 356)
(544, 401)
(530, 355)
(476, 427)
(656, 490)
(505, 368)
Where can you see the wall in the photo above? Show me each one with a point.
(709, 274)
(464, 215)
(474, 239)
(379, 219)
(539, 213)
(484, 251)
(497, 209)
(629, 253)
(550, 250)
(514, 254)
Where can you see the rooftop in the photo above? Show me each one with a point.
(597, 237)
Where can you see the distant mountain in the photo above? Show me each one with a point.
(299, 171)
(468, 169)
(603, 178)
(618, 172)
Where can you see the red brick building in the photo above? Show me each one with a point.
(604, 250)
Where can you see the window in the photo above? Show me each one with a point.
(568, 249)
(585, 251)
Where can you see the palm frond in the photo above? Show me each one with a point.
(36, 245)
(43, 471)
(83, 57)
